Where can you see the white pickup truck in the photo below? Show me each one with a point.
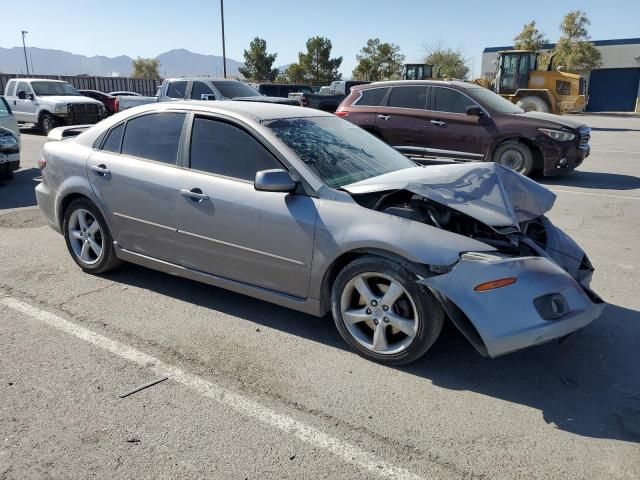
(51, 103)
(202, 88)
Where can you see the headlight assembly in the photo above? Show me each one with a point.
(559, 135)
(61, 109)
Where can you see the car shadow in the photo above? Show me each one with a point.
(19, 191)
(596, 180)
(589, 385)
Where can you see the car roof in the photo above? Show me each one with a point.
(398, 83)
(38, 80)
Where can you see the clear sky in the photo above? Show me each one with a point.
(147, 28)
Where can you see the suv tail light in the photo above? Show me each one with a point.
(342, 113)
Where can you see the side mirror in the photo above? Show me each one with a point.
(276, 180)
(31, 96)
(22, 95)
(207, 96)
(475, 110)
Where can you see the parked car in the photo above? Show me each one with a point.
(463, 121)
(203, 88)
(49, 103)
(331, 98)
(302, 209)
(110, 102)
(9, 141)
(283, 90)
(124, 93)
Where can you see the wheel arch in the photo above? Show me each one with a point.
(71, 194)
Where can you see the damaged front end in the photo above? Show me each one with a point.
(543, 275)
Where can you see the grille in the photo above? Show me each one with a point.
(85, 113)
(585, 136)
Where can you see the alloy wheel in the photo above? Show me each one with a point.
(379, 313)
(85, 236)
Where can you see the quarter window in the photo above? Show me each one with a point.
(409, 97)
(10, 88)
(5, 110)
(452, 101)
(198, 89)
(177, 89)
(114, 139)
(372, 97)
(155, 137)
(220, 148)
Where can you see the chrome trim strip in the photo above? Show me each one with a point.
(246, 249)
(146, 222)
(437, 150)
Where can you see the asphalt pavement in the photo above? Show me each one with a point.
(260, 392)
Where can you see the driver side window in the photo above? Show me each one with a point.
(24, 86)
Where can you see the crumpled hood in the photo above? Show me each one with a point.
(75, 99)
(488, 192)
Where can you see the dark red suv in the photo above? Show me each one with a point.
(428, 118)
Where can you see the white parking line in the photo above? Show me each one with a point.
(615, 151)
(593, 194)
(347, 452)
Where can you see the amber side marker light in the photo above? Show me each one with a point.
(493, 284)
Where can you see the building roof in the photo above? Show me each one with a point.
(597, 43)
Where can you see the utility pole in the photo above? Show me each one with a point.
(224, 53)
(24, 48)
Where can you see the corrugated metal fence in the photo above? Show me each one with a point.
(142, 86)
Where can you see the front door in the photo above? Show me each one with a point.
(402, 120)
(228, 228)
(450, 132)
(134, 176)
(25, 109)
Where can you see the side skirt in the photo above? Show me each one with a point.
(305, 305)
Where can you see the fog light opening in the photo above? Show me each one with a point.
(493, 284)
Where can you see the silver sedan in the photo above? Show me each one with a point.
(305, 210)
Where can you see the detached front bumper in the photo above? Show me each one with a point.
(512, 318)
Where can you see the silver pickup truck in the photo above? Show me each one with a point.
(203, 88)
(51, 103)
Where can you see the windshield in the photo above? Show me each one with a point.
(492, 101)
(42, 89)
(337, 151)
(233, 89)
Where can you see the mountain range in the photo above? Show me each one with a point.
(174, 63)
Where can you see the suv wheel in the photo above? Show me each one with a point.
(383, 313)
(514, 155)
(47, 123)
(88, 238)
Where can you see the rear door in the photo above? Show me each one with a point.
(402, 119)
(450, 132)
(365, 109)
(231, 230)
(134, 176)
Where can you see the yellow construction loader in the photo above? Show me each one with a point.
(518, 80)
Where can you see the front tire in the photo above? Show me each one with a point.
(88, 238)
(382, 312)
(47, 123)
(515, 156)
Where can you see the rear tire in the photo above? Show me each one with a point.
(515, 156)
(533, 104)
(395, 321)
(47, 123)
(88, 237)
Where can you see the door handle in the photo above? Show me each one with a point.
(384, 117)
(439, 123)
(101, 170)
(194, 194)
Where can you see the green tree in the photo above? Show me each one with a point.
(295, 73)
(530, 38)
(146, 68)
(318, 66)
(378, 61)
(258, 63)
(450, 63)
(574, 51)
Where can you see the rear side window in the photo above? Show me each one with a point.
(200, 88)
(409, 97)
(223, 149)
(5, 110)
(452, 101)
(372, 97)
(177, 89)
(114, 139)
(155, 137)
(9, 90)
